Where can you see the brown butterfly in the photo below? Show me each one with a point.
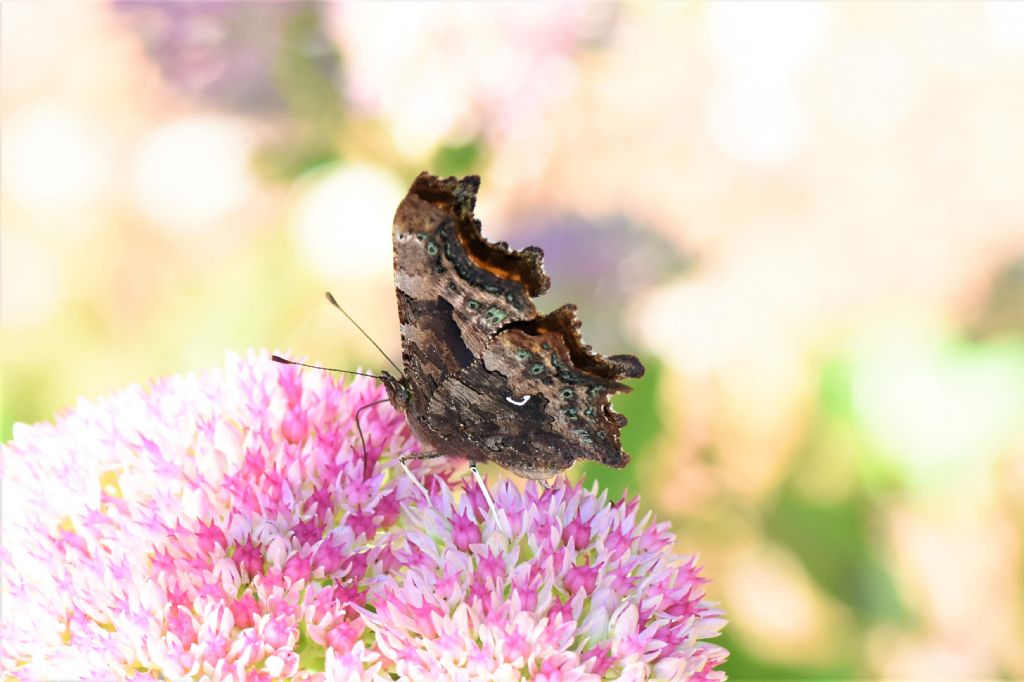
(486, 376)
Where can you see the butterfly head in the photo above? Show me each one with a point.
(398, 391)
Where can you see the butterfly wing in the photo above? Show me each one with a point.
(540, 398)
(474, 345)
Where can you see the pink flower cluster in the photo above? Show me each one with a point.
(221, 527)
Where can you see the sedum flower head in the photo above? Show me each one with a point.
(223, 526)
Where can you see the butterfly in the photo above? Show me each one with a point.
(487, 377)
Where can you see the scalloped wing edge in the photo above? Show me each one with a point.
(458, 196)
(564, 321)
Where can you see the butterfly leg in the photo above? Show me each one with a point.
(419, 455)
(487, 495)
(366, 460)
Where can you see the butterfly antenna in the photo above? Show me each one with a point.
(286, 361)
(331, 300)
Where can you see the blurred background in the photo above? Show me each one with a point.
(807, 219)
